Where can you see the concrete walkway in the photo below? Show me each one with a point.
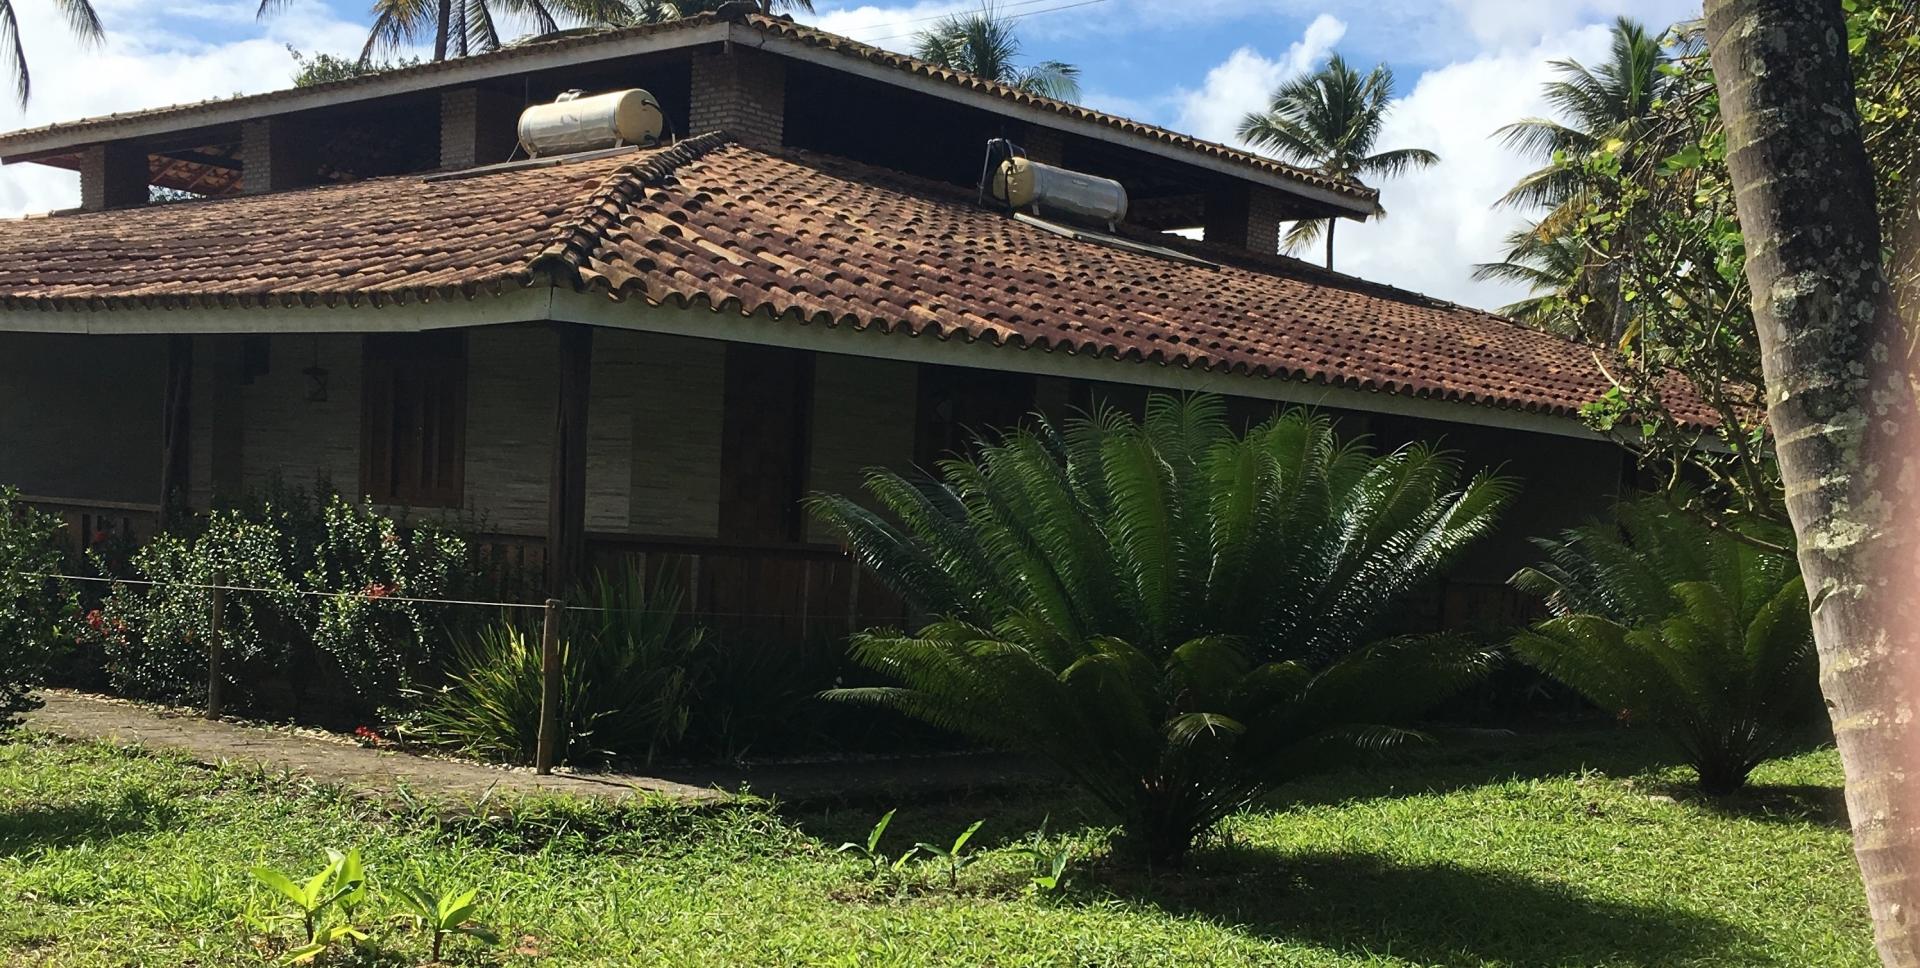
(378, 772)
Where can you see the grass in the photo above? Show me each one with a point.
(1570, 849)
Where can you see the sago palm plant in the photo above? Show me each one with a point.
(1682, 627)
(1176, 617)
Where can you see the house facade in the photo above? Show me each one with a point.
(657, 351)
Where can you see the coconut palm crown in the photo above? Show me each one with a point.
(1329, 120)
(1594, 105)
(81, 19)
(986, 45)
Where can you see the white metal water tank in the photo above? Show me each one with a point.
(1024, 183)
(575, 123)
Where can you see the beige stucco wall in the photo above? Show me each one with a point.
(80, 415)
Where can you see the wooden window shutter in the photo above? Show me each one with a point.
(415, 419)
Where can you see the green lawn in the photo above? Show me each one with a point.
(1550, 850)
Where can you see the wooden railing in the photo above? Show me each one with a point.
(96, 523)
(798, 592)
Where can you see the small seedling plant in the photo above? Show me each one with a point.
(342, 883)
(876, 859)
(443, 914)
(956, 856)
(1050, 862)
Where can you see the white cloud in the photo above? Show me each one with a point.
(1244, 80)
(145, 63)
(891, 27)
(1504, 24)
(1442, 220)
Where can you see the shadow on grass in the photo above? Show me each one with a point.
(1440, 914)
(1779, 803)
(1459, 761)
(54, 826)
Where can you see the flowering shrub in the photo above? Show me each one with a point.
(30, 606)
(315, 584)
(155, 635)
(378, 635)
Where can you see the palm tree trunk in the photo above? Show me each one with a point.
(1844, 418)
(445, 21)
(1331, 222)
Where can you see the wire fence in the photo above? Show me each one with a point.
(553, 611)
(382, 596)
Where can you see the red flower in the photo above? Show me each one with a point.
(96, 621)
(368, 736)
(376, 590)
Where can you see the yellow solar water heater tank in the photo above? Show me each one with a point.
(584, 123)
(1023, 183)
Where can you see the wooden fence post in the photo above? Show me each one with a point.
(549, 689)
(214, 646)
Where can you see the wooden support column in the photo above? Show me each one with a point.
(175, 428)
(567, 493)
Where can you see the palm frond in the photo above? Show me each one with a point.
(1674, 624)
(1174, 615)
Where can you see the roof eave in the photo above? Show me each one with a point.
(540, 300)
(1347, 204)
(55, 140)
(28, 145)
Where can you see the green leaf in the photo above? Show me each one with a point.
(879, 830)
(305, 953)
(1685, 159)
(960, 843)
(477, 931)
(282, 884)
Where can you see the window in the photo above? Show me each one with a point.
(415, 419)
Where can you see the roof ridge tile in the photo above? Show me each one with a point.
(574, 240)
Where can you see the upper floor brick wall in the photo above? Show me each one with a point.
(740, 91)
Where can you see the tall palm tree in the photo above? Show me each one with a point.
(80, 19)
(984, 44)
(1329, 120)
(660, 11)
(1552, 266)
(1594, 106)
(461, 27)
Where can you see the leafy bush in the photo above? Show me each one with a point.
(1683, 627)
(632, 669)
(1175, 617)
(30, 606)
(295, 552)
(155, 635)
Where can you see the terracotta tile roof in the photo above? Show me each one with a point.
(773, 26)
(804, 237)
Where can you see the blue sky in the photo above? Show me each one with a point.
(1464, 67)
